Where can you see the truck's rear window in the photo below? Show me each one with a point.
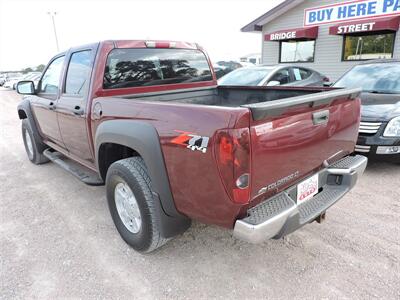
(145, 67)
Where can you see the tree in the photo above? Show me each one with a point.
(27, 70)
(40, 68)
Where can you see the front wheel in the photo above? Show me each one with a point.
(32, 145)
(131, 204)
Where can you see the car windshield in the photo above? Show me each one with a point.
(375, 78)
(245, 76)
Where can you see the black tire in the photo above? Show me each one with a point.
(36, 155)
(133, 172)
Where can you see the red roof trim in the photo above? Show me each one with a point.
(371, 25)
(293, 34)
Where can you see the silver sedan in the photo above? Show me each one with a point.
(273, 76)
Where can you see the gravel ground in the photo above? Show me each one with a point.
(57, 240)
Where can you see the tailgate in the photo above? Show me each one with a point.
(293, 137)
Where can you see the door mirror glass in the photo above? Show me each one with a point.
(26, 87)
(273, 83)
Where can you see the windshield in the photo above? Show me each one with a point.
(377, 78)
(245, 76)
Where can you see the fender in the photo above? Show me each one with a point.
(25, 112)
(143, 138)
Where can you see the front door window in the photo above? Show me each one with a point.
(51, 78)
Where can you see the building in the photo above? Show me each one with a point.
(329, 36)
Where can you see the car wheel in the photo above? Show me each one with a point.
(131, 204)
(32, 145)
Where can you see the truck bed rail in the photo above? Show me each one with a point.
(276, 107)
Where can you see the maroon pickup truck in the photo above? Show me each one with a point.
(147, 119)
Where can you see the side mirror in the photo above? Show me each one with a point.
(26, 87)
(327, 84)
(273, 83)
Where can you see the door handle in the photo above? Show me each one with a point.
(320, 117)
(52, 106)
(78, 111)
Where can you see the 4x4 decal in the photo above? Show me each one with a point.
(191, 141)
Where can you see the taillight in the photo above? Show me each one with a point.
(233, 157)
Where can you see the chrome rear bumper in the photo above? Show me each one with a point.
(281, 215)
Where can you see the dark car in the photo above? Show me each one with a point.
(379, 133)
(221, 68)
(273, 75)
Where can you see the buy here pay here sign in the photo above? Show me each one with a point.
(353, 10)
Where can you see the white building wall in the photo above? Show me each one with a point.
(328, 48)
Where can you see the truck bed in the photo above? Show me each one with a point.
(227, 96)
(284, 127)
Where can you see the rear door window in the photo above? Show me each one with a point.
(301, 74)
(146, 67)
(283, 76)
(305, 73)
(78, 73)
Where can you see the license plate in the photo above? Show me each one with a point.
(307, 189)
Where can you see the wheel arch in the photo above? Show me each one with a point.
(143, 140)
(22, 114)
(24, 109)
(25, 112)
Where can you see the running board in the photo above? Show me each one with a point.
(82, 173)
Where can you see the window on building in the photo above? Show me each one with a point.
(145, 67)
(371, 46)
(78, 73)
(297, 51)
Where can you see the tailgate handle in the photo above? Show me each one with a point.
(321, 117)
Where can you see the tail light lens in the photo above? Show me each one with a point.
(233, 157)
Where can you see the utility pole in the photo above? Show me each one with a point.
(52, 15)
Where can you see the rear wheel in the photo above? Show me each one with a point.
(33, 146)
(131, 204)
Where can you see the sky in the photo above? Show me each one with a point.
(27, 36)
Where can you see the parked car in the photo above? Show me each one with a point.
(221, 68)
(274, 75)
(11, 81)
(379, 133)
(34, 76)
(3, 78)
(147, 119)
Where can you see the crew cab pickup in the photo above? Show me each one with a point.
(147, 119)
